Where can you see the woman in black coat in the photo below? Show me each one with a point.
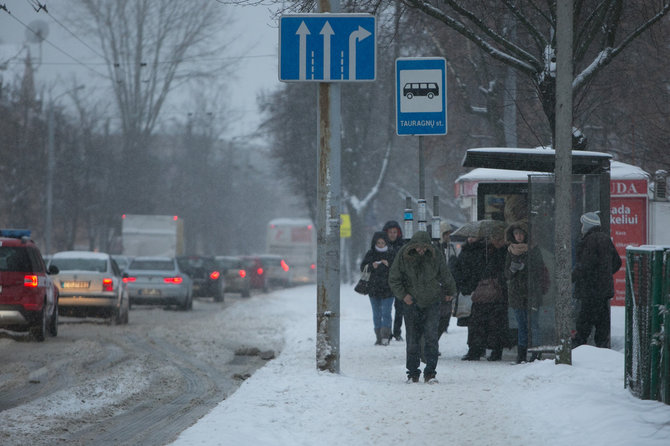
(378, 259)
(487, 324)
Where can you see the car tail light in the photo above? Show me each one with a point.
(176, 280)
(107, 284)
(259, 271)
(30, 281)
(312, 266)
(214, 275)
(129, 279)
(284, 265)
(242, 273)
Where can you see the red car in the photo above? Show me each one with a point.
(28, 296)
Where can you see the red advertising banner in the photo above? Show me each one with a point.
(628, 227)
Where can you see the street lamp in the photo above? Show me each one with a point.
(50, 167)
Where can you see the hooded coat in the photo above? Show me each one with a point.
(397, 244)
(378, 285)
(424, 277)
(520, 260)
(597, 261)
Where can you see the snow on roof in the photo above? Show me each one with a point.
(81, 255)
(623, 171)
(619, 170)
(541, 149)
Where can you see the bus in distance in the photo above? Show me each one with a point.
(294, 239)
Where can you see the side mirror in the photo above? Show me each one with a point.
(53, 269)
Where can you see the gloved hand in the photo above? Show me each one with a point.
(516, 266)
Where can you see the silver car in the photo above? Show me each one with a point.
(158, 281)
(90, 284)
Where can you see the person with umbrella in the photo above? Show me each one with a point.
(487, 324)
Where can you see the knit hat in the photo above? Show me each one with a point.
(589, 220)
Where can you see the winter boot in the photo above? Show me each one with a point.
(535, 356)
(379, 336)
(385, 334)
(521, 353)
(430, 378)
(471, 355)
(496, 355)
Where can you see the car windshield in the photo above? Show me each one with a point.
(75, 264)
(161, 265)
(14, 259)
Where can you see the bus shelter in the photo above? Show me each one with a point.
(533, 200)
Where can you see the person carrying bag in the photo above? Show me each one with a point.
(362, 287)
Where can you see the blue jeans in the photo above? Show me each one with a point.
(381, 311)
(521, 316)
(422, 322)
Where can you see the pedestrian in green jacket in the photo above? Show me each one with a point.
(420, 278)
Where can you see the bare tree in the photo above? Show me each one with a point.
(603, 30)
(150, 47)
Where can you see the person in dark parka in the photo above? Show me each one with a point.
(597, 261)
(378, 259)
(420, 278)
(487, 324)
(394, 233)
(467, 268)
(524, 292)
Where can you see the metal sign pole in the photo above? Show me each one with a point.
(328, 221)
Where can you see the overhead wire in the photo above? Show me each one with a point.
(74, 35)
(56, 47)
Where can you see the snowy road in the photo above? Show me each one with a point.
(142, 383)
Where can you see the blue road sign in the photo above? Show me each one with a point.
(327, 48)
(421, 96)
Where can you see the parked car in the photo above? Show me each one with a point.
(254, 267)
(90, 284)
(206, 275)
(276, 270)
(236, 276)
(158, 281)
(28, 296)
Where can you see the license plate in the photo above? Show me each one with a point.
(150, 292)
(75, 284)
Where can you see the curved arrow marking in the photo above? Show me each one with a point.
(356, 36)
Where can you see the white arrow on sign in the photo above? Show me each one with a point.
(354, 37)
(303, 32)
(327, 32)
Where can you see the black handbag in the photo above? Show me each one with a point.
(363, 283)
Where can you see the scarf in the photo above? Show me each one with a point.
(384, 249)
(518, 248)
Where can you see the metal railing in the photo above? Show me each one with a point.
(647, 344)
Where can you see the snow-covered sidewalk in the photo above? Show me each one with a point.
(290, 402)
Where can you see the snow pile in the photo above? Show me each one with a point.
(290, 402)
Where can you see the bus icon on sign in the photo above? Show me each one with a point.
(429, 89)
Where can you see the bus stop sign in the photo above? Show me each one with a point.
(421, 96)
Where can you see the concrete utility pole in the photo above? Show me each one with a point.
(563, 176)
(328, 220)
